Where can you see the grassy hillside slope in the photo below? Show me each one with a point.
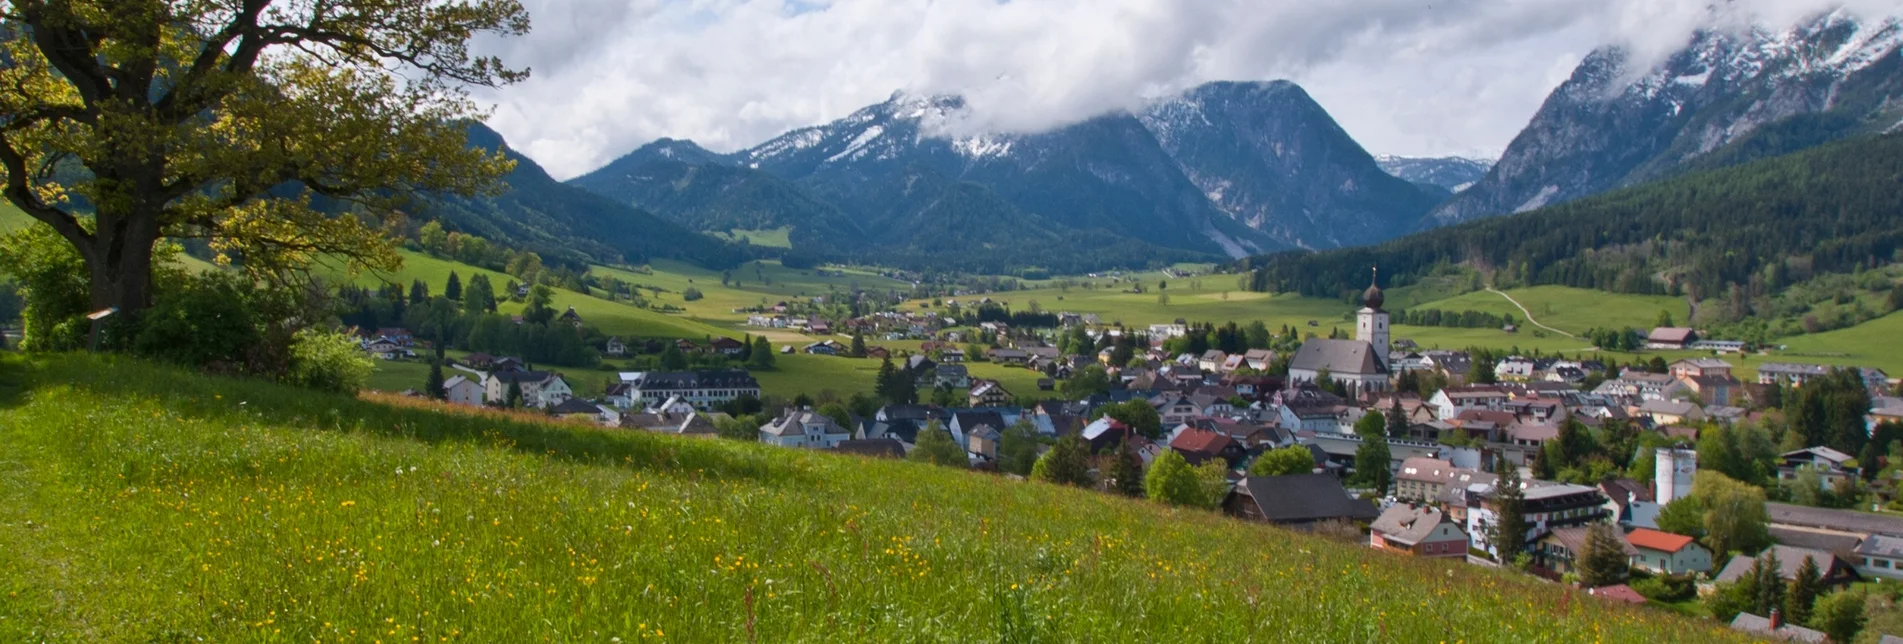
(139, 503)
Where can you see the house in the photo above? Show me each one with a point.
(1880, 556)
(878, 353)
(1835, 572)
(1671, 412)
(1560, 549)
(949, 376)
(1259, 359)
(1700, 367)
(459, 390)
(1670, 338)
(1774, 628)
(616, 348)
(1546, 506)
(1418, 530)
(1828, 463)
(1200, 446)
(579, 409)
(1297, 501)
(1016, 357)
(1449, 402)
(1714, 389)
(570, 317)
(727, 346)
(688, 424)
(1175, 409)
(1619, 593)
(701, 389)
(1212, 360)
(386, 349)
(1668, 554)
(1106, 433)
(804, 428)
(988, 393)
(1425, 479)
(951, 356)
(822, 348)
(1791, 375)
(540, 389)
(1514, 368)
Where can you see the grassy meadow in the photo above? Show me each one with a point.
(773, 238)
(141, 503)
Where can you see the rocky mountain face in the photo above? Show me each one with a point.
(1271, 158)
(1226, 169)
(1451, 174)
(567, 224)
(1727, 98)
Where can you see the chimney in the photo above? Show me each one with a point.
(1777, 619)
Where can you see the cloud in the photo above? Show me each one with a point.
(1411, 77)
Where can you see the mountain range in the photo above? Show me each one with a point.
(1727, 98)
(1224, 169)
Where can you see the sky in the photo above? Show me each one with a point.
(1404, 77)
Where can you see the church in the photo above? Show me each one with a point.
(1360, 364)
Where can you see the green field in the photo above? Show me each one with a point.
(775, 238)
(1877, 343)
(143, 503)
(1573, 310)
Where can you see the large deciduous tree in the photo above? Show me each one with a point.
(125, 122)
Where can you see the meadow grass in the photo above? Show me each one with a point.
(1573, 310)
(1876, 343)
(771, 238)
(141, 503)
(813, 375)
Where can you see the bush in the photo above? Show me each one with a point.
(53, 282)
(1666, 588)
(329, 361)
(207, 321)
(691, 294)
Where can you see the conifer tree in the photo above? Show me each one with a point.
(453, 289)
(1604, 562)
(1803, 593)
(433, 387)
(1067, 463)
(1125, 472)
(1508, 532)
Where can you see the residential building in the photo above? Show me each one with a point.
(1547, 506)
(1880, 556)
(1774, 628)
(1200, 446)
(1790, 375)
(1449, 402)
(1419, 530)
(540, 389)
(459, 390)
(1835, 572)
(1827, 462)
(1425, 479)
(988, 393)
(701, 389)
(1670, 338)
(1297, 501)
(804, 428)
(1700, 367)
(1668, 554)
(1559, 550)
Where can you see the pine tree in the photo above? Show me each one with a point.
(419, 292)
(479, 297)
(761, 358)
(858, 346)
(433, 387)
(882, 382)
(514, 400)
(672, 359)
(1067, 463)
(1604, 562)
(1125, 472)
(1770, 582)
(1508, 532)
(454, 288)
(1803, 593)
(1372, 462)
(1397, 420)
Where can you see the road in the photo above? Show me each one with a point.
(1529, 314)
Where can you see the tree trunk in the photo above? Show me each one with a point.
(121, 262)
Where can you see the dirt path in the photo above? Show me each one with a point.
(1529, 314)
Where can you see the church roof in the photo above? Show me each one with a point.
(1337, 356)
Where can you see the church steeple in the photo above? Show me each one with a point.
(1372, 298)
(1371, 323)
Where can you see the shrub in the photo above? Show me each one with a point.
(328, 361)
(1666, 588)
(207, 321)
(691, 294)
(52, 280)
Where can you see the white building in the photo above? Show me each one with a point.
(1674, 473)
(702, 389)
(1360, 364)
(463, 391)
(540, 389)
(807, 429)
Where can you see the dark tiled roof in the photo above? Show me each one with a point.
(885, 447)
(1846, 520)
(1302, 498)
(728, 379)
(1337, 356)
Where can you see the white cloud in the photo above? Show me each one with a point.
(1409, 77)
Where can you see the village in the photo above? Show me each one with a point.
(1405, 450)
